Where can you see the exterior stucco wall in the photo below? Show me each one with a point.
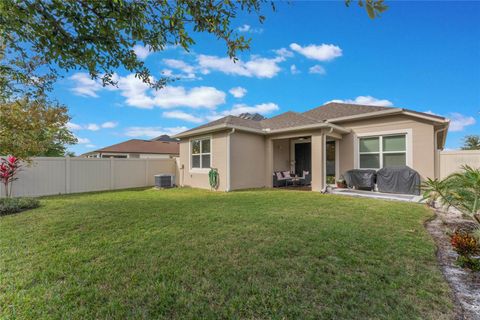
(423, 149)
(247, 160)
(281, 155)
(198, 178)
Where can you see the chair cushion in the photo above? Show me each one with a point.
(279, 175)
(305, 173)
(286, 174)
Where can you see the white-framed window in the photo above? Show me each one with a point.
(200, 153)
(382, 151)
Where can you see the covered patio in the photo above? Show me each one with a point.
(314, 153)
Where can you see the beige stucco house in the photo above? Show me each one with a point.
(326, 141)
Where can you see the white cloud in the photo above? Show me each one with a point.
(139, 94)
(135, 91)
(91, 146)
(84, 85)
(73, 126)
(109, 125)
(244, 28)
(92, 127)
(142, 52)
(322, 52)
(180, 65)
(318, 69)
(365, 100)
(458, 121)
(151, 132)
(294, 69)
(262, 108)
(255, 67)
(237, 109)
(283, 52)
(182, 116)
(238, 92)
(83, 140)
(197, 97)
(167, 72)
(248, 28)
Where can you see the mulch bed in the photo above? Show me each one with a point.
(465, 284)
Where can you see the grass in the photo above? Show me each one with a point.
(192, 254)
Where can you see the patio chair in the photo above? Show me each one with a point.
(306, 178)
(281, 179)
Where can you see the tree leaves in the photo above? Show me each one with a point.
(39, 38)
(34, 128)
(471, 142)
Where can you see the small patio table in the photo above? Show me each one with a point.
(295, 181)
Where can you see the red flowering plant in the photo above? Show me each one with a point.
(9, 167)
(464, 244)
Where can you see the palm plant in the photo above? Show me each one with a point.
(471, 142)
(460, 190)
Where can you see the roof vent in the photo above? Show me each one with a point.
(250, 116)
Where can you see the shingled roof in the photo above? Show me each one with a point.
(287, 119)
(143, 146)
(230, 120)
(334, 110)
(322, 114)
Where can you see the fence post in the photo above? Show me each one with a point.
(112, 173)
(67, 175)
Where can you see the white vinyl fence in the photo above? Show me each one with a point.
(50, 176)
(451, 161)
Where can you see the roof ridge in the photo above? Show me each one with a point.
(355, 104)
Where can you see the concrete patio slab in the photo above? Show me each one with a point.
(375, 195)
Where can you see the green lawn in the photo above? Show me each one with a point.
(191, 254)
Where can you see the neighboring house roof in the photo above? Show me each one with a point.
(328, 115)
(165, 137)
(142, 146)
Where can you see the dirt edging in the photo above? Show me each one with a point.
(465, 284)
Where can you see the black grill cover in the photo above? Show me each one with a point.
(360, 179)
(398, 180)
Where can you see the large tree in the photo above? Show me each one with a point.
(34, 128)
(39, 38)
(471, 142)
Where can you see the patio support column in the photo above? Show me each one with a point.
(318, 161)
(268, 162)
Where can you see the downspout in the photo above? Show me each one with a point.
(436, 172)
(325, 187)
(228, 159)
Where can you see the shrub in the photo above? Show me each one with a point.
(459, 190)
(476, 234)
(9, 168)
(330, 179)
(464, 244)
(469, 263)
(14, 205)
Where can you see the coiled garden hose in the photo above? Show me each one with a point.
(213, 178)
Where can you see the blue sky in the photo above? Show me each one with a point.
(419, 55)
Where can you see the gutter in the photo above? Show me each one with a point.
(322, 125)
(444, 137)
(391, 111)
(219, 127)
(265, 131)
(436, 168)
